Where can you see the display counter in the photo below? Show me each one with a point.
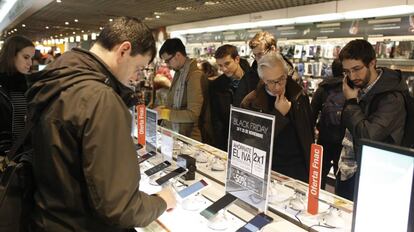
(287, 197)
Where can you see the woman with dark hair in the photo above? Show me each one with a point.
(15, 62)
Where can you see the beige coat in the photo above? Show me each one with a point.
(188, 115)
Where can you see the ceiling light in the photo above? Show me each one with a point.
(47, 27)
(76, 20)
(60, 35)
(58, 1)
(159, 13)
(380, 12)
(211, 3)
(149, 18)
(157, 16)
(23, 25)
(15, 29)
(319, 18)
(66, 23)
(82, 31)
(110, 20)
(180, 8)
(74, 33)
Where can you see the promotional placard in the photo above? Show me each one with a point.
(315, 172)
(151, 130)
(141, 124)
(249, 156)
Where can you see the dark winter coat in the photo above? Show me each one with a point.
(384, 124)
(85, 164)
(300, 108)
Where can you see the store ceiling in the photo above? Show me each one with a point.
(58, 19)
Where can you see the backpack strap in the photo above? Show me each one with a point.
(11, 155)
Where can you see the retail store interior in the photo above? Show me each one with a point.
(310, 35)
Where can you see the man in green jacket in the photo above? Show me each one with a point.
(182, 110)
(85, 164)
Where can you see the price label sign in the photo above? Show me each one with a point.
(249, 157)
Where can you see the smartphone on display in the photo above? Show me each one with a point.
(146, 156)
(177, 172)
(157, 168)
(349, 82)
(220, 204)
(194, 188)
(256, 223)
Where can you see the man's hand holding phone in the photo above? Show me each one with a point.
(350, 91)
(168, 196)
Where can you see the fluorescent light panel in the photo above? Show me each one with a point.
(357, 14)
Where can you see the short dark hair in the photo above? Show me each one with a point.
(209, 69)
(358, 49)
(226, 50)
(337, 70)
(130, 29)
(172, 46)
(8, 53)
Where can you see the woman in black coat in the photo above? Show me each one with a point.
(15, 62)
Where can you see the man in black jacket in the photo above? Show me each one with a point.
(384, 121)
(281, 96)
(228, 89)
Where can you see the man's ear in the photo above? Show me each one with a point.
(237, 59)
(124, 49)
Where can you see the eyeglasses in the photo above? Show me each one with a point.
(275, 82)
(260, 54)
(356, 69)
(167, 61)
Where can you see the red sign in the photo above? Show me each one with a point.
(315, 172)
(141, 124)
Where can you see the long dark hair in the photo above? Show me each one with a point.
(8, 53)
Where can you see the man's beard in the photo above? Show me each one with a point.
(365, 80)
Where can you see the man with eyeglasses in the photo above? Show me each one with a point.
(374, 107)
(261, 44)
(185, 97)
(228, 89)
(281, 96)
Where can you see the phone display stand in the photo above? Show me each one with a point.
(297, 202)
(219, 222)
(279, 193)
(193, 203)
(333, 218)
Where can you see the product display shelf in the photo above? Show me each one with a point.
(287, 191)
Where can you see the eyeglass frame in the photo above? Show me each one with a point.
(355, 69)
(167, 61)
(267, 50)
(274, 82)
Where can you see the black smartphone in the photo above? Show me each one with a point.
(157, 168)
(256, 223)
(349, 82)
(146, 156)
(194, 188)
(177, 172)
(220, 204)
